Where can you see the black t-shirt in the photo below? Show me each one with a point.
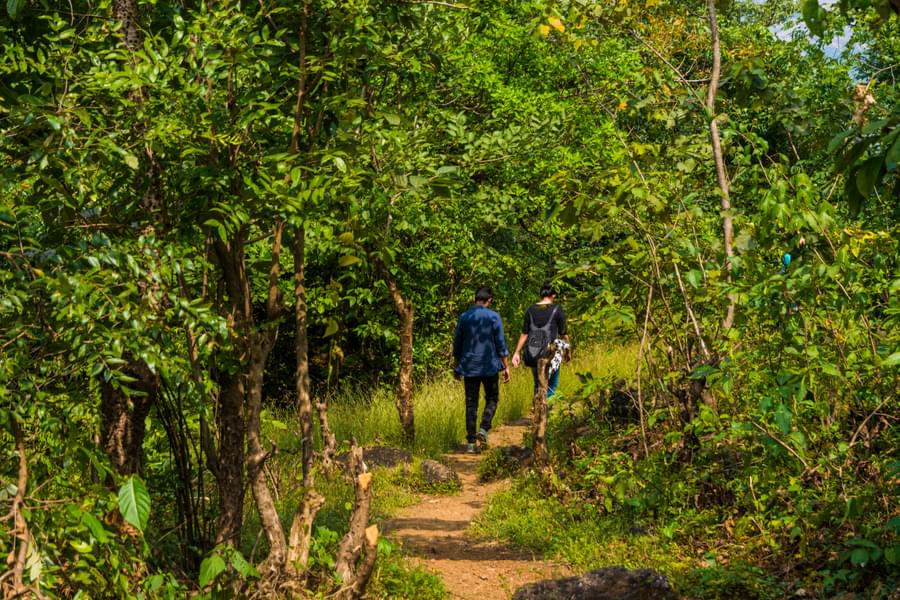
(539, 314)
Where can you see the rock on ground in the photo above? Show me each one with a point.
(523, 455)
(384, 456)
(435, 473)
(610, 583)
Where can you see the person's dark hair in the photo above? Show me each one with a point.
(547, 290)
(483, 294)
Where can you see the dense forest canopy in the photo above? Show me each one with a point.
(215, 213)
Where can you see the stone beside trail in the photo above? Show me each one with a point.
(434, 533)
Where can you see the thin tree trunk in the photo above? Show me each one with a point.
(261, 345)
(301, 345)
(640, 398)
(539, 413)
(404, 400)
(329, 443)
(721, 174)
(21, 537)
(360, 541)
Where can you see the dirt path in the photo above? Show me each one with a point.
(434, 533)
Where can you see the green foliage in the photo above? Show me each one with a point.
(134, 502)
(426, 150)
(224, 571)
(496, 465)
(393, 578)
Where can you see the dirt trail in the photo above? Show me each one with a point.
(434, 533)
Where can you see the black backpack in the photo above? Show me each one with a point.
(538, 340)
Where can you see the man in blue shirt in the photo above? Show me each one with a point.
(479, 348)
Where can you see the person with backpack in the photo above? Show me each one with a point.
(545, 322)
(480, 351)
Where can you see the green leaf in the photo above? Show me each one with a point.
(851, 194)
(893, 155)
(812, 16)
(240, 564)
(694, 277)
(131, 160)
(867, 176)
(859, 556)
(340, 164)
(348, 260)
(210, 568)
(95, 527)
(134, 502)
(15, 8)
(838, 140)
(331, 328)
(783, 418)
(892, 360)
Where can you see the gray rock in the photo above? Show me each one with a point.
(384, 456)
(380, 456)
(609, 583)
(520, 454)
(435, 473)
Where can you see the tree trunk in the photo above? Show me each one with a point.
(123, 414)
(539, 413)
(404, 400)
(358, 548)
(261, 345)
(329, 443)
(230, 459)
(126, 13)
(721, 174)
(301, 375)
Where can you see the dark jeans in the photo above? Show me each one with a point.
(552, 381)
(491, 396)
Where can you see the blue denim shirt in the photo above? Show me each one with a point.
(479, 342)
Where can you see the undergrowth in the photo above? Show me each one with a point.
(721, 511)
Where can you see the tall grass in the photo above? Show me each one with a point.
(371, 418)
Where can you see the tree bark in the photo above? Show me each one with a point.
(329, 443)
(261, 345)
(404, 400)
(539, 412)
(360, 541)
(21, 537)
(721, 174)
(230, 459)
(301, 345)
(126, 13)
(123, 414)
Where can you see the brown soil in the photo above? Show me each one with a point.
(434, 533)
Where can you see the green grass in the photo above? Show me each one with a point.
(440, 409)
(371, 419)
(586, 537)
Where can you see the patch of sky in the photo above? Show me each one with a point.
(794, 27)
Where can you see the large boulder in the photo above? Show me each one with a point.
(609, 583)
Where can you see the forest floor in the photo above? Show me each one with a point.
(434, 533)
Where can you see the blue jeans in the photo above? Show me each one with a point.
(552, 381)
(491, 396)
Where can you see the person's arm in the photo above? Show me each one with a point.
(500, 345)
(457, 342)
(517, 358)
(563, 334)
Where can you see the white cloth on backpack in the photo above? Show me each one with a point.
(556, 361)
